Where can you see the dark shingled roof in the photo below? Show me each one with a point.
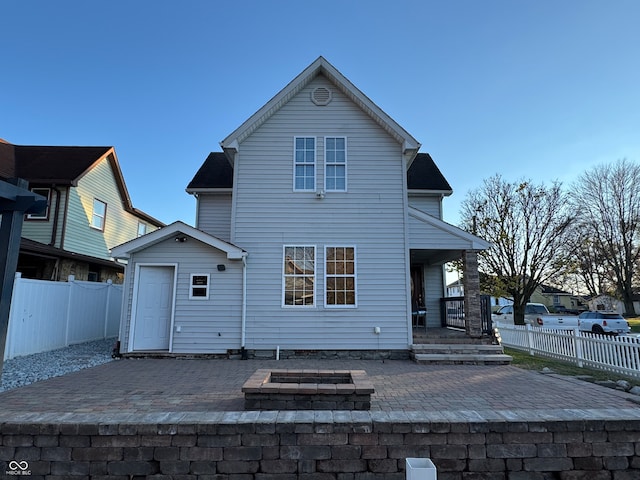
(62, 166)
(59, 165)
(216, 172)
(424, 174)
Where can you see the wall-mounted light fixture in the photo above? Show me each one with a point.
(221, 268)
(181, 239)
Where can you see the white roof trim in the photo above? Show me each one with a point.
(475, 243)
(321, 66)
(126, 249)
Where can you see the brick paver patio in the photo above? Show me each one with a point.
(148, 386)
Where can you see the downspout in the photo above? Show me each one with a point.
(244, 308)
(54, 229)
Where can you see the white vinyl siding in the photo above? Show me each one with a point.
(433, 285)
(335, 164)
(304, 168)
(299, 278)
(206, 326)
(267, 215)
(214, 215)
(340, 277)
(431, 204)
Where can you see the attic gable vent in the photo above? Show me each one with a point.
(321, 96)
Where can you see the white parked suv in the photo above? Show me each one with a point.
(537, 315)
(609, 323)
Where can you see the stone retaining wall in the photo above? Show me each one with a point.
(325, 445)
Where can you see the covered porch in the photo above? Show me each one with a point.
(434, 243)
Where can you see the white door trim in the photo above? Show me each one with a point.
(134, 301)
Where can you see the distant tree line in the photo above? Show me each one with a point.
(584, 237)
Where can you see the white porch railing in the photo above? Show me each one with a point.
(615, 354)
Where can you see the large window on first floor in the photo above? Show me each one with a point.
(340, 274)
(299, 272)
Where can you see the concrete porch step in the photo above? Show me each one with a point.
(459, 353)
(461, 348)
(461, 359)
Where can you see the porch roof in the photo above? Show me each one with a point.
(434, 242)
(177, 229)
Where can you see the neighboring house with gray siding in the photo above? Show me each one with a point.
(320, 220)
(89, 211)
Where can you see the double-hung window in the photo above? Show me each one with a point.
(340, 276)
(304, 164)
(335, 164)
(199, 286)
(299, 268)
(99, 214)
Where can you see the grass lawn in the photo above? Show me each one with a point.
(635, 324)
(524, 360)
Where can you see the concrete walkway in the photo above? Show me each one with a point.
(148, 386)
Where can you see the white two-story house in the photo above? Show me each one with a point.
(319, 227)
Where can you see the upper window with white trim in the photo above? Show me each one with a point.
(46, 193)
(335, 164)
(340, 273)
(299, 276)
(99, 214)
(304, 164)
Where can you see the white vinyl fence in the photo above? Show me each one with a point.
(48, 315)
(615, 354)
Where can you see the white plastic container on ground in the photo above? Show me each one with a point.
(420, 469)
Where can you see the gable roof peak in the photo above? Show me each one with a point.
(319, 66)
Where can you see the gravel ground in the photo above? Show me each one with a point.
(21, 371)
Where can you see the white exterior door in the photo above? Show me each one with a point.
(152, 323)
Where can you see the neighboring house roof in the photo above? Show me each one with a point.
(65, 166)
(32, 247)
(57, 165)
(176, 229)
(549, 290)
(321, 66)
(217, 173)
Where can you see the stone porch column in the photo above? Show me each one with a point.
(471, 283)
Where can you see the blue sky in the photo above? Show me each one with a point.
(540, 89)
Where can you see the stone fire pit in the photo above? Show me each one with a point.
(307, 390)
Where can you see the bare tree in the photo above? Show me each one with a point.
(606, 200)
(525, 224)
(586, 269)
